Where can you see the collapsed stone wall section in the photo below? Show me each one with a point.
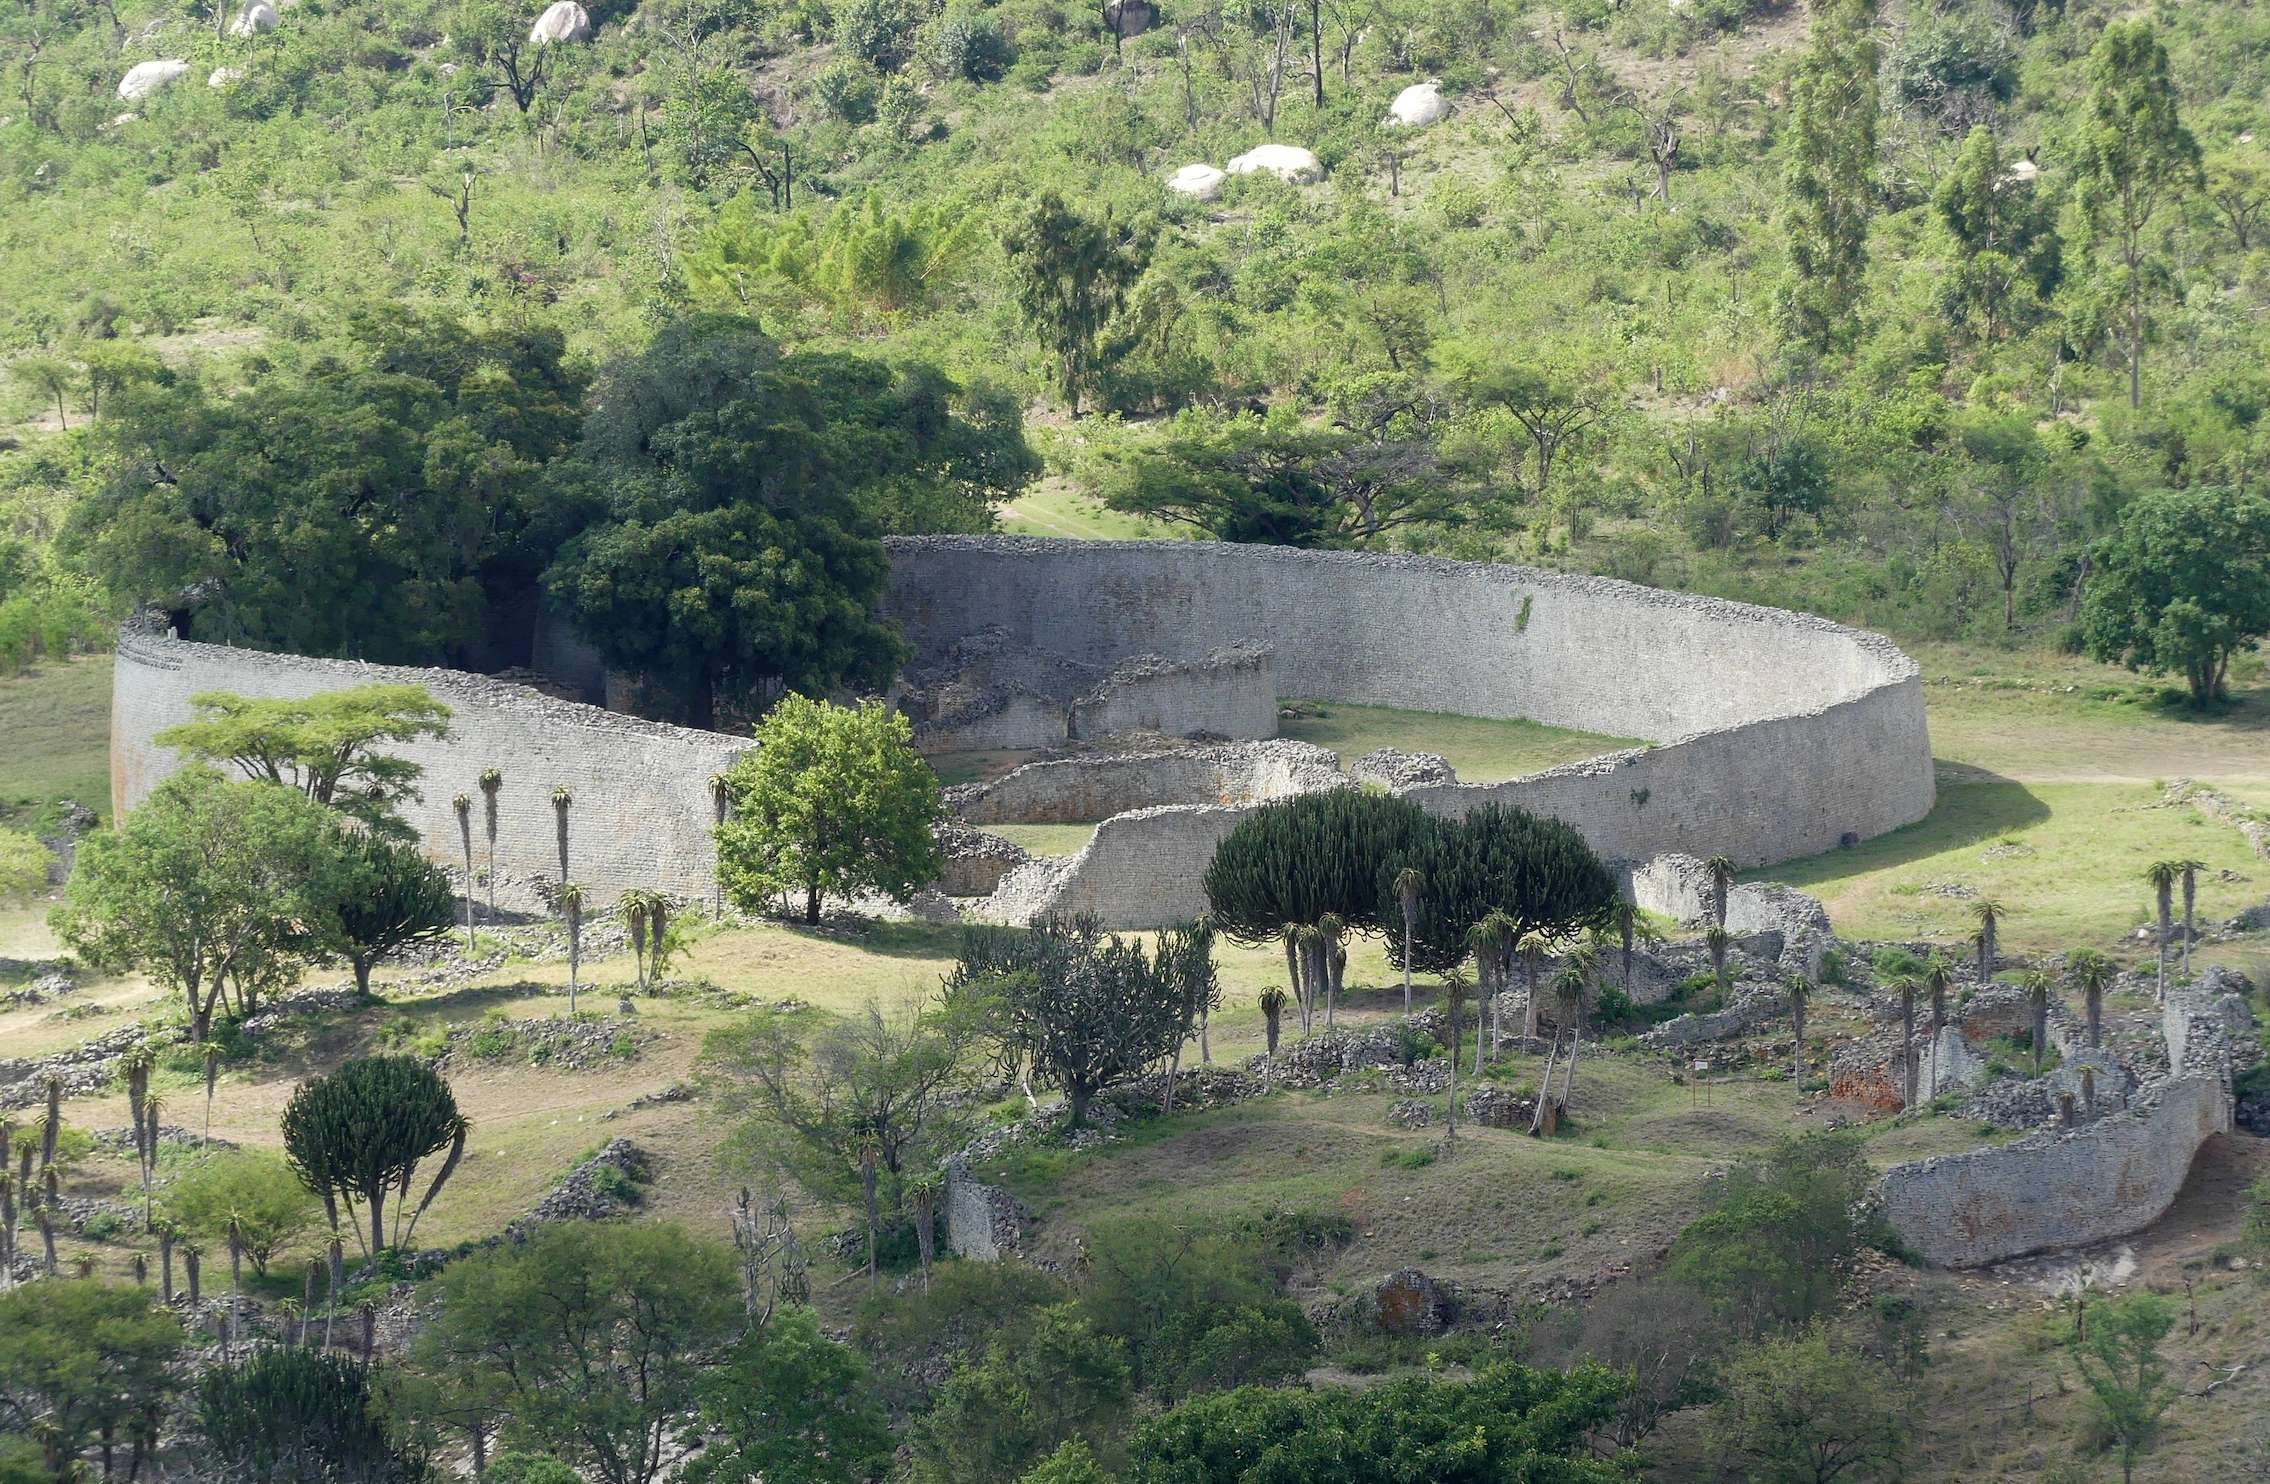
(1092, 787)
(642, 810)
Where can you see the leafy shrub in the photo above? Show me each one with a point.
(967, 45)
(878, 32)
(845, 91)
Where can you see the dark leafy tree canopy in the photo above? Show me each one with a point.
(283, 1415)
(360, 1133)
(2183, 585)
(1535, 870)
(1298, 859)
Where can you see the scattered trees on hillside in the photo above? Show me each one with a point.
(82, 1360)
(251, 1191)
(1810, 1408)
(2129, 1385)
(359, 1134)
(378, 896)
(594, 1334)
(284, 1414)
(1071, 276)
(849, 1109)
(1084, 1009)
(2139, 157)
(1509, 1421)
(206, 887)
(832, 801)
(1831, 179)
(2182, 585)
(1779, 1228)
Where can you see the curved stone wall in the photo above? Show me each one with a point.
(1776, 735)
(1086, 789)
(641, 812)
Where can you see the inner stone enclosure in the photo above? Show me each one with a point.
(1148, 676)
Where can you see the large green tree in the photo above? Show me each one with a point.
(371, 506)
(360, 1133)
(205, 884)
(792, 1406)
(2182, 585)
(2139, 158)
(378, 896)
(327, 746)
(1810, 1409)
(2130, 1388)
(729, 504)
(1071, 276)
(833, 801)
(1536, 871)
(595, 1333)
(283, 1415)
(1831, 180)
(253, 1191)
(82, 1360)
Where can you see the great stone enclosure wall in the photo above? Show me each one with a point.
(640, 811)
(1772, 735)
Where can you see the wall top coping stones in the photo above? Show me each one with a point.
(1897, 664)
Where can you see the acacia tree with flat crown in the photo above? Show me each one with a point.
(832, 801)
(324, 745)
(362, 1131)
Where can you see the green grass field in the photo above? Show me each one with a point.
(1482, 750)
(1054, 507)
(55, 738)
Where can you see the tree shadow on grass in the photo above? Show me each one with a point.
(1973, 806)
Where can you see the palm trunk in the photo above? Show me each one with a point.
(1907, 1044)
(1406, 963)
(1545, 1087)
(2167, 930)
(868, 1181)
(1797, 1072)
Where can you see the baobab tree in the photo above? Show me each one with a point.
(2091, 973)
(2163, 876)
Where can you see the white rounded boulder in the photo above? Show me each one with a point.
(145, 78)
(1288, 162)
(563, 20)
(223, 76)
(1202, 182)
(1418, 105)
(256, 19)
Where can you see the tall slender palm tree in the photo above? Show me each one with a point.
(571, 907)
(2037, 983)
(1800, 991)
(561, 799)
(1568, 992)
(2163, 876)
(1272, 1014)
(492, 780)
(1905, 983)
(1493, 940)
(720, 809)
(1408, 883)
(463, 806)
(1988, 914)
(1718, 941)
(1290, 936)
(1938, 978)
(2190, 870)
(1331, 940)
(1720, 871)
(2092, 973)
(1532, 947)
(1453, 1001)
(636, 905)
(212, 1050)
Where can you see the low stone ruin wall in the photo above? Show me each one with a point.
(1140, 870)
(1088, 788)
(1678, 886)
(2070, 1187)
(1231, 692)
(2057, 1188)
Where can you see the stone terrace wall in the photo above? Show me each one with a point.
(1781, 735)
(1231, 692)
(1142, 869)
(1077, 790)
(2057, 1188)
(642, 808)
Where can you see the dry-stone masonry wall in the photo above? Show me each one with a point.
(1775, 734)
(1091, 787)
(2070, 1187)
(641, 809)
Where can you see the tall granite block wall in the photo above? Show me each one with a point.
(1778, 734)
(641, 811)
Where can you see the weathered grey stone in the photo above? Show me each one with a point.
(1393, 769)
(975, 860)
(983, 1222)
